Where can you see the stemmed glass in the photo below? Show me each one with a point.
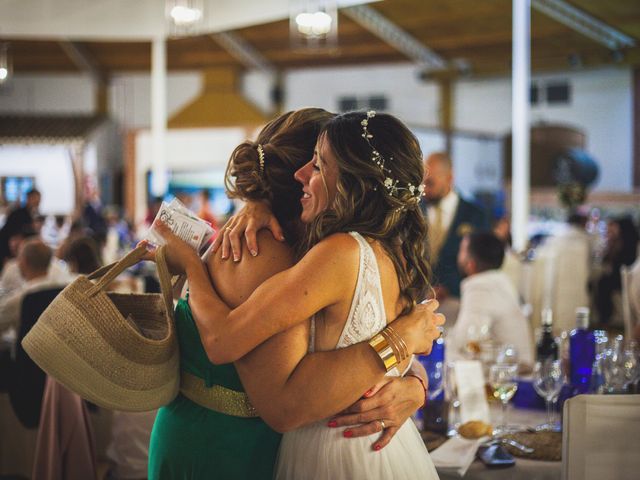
(435, 375)
(631, 367)
(547, 381)
(504, 384)
(614, 367)
(451, 394)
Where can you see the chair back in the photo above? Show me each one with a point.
(26, 379)
(625, 276)
(600, 437)
(630, 276)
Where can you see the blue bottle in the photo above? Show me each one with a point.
(582, 352)
(434, 412)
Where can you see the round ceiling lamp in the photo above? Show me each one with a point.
(184, 17)
(313, 24)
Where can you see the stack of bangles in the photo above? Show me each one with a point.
(392, 350)
(390, 347)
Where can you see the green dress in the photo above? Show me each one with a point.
(189, 441)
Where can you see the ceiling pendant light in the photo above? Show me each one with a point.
(313, 24)
(184, 17)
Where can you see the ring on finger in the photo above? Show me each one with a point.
(382, 424)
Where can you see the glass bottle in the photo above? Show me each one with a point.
(547, 348)
(434, 413)
(582, 352)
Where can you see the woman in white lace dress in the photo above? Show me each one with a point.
(364, 264)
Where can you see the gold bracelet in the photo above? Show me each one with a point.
(405, 350)
(388, 334)
(394, 344)
(386, 353)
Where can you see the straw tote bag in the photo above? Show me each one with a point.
(116, 350)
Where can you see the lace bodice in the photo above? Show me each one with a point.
(366, 316)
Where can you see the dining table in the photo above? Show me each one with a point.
(524, 468)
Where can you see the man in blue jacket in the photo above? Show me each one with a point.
(450, 218)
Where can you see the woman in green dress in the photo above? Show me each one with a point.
(211, 430)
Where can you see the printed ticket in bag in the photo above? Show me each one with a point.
(193, 231)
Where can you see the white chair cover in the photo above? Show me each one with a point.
(561, 271)
(601, 437)
(630, 297)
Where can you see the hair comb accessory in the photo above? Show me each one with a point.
(393, 186)
(261, 157)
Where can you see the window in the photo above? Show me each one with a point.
(14, 189)
(346, 104)
(534, 94)
(372, 102)
(558, 93)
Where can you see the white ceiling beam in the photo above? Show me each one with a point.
(395, 36)
(584, 23)
(243, 51)
(85, 62)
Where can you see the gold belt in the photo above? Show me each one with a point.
(217, 398)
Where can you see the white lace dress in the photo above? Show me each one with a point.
(317, 452)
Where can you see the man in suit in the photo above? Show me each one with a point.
(450, 217)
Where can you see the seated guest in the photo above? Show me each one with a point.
(621, 249)
(34, 259)
(488, 301)
(11, 278)
(511, 265)
(82, 256)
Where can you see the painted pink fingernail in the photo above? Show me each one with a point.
(332, 423)
(348, 433)
(368, 392)
(377, 448)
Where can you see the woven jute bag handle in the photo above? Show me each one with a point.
(108, 273)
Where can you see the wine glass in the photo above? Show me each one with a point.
(451, 395)
(547, 382)
(631, 368)
(435, 375)
(504, 384)
(508, 355)
(614, 366)
(476, 335)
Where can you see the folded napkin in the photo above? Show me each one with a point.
(456, 454)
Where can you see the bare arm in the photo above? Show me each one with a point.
(291, 388)
(286, 299)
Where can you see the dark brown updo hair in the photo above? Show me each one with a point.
(364, 204)
(288, 142)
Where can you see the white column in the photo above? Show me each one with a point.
(521, 64)
(159, 115)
